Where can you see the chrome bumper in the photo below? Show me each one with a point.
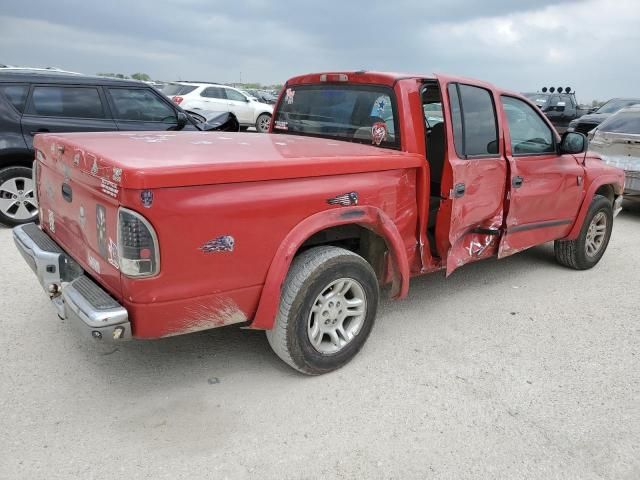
(75, 295)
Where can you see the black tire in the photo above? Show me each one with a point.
(573, 253)
(262, 123)
(11, 214)
(309, 275)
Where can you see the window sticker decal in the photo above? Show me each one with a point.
(289, 95)
(281, 125)
(378, 133)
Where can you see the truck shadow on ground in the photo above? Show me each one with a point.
(231, 351)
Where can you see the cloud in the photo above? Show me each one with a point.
(522, 45)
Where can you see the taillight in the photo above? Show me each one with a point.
(138, 250)
(177, 99)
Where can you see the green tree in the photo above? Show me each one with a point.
(141, 76)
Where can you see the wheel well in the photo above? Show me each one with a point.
(606, 191)
(355, 238)
(16, 159)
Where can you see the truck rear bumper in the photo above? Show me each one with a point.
(75, 296)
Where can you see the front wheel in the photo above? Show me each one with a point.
(328, 306)
(586, 251)
(263, 122)
(17, 200)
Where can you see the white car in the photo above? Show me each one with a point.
(209, 96)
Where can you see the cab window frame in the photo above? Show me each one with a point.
(536, 110)
(114, 108)
(463, 141)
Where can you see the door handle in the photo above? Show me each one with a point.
(67, 192)
(41, 130)
(517, 182)
(458, 190)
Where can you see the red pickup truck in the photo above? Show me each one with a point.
(366, 179)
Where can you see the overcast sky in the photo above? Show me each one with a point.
(521, 45)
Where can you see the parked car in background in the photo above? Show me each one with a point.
(249, 111)
(617, 140)
(40, 101)
(559, 106)
(590, 121)
(263, 96)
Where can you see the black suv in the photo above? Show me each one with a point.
(33, 102)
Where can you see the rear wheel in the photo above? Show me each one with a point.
(263, 122)
(586, 251)
(17, 200)
(328, 306)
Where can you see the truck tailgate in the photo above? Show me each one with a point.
(79, 207)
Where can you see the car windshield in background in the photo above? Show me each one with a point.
(363, 114)
(623, 122)
(174, 89)
(612, 106)
(537, 98)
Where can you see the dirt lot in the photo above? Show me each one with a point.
(509, 369)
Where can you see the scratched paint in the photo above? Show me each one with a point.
(204, 316)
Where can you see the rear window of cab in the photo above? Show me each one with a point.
(356, 113)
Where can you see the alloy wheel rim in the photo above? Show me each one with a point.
(596, 234)
(17, 200)
(264, 124)
(337, 315)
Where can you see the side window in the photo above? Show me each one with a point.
(76, 102)
(142, 105)
(235, 96)
(213, 92)
(16, 94)
(456, 119)
(529, 133)
(474, 121)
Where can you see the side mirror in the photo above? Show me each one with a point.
(182, 120)
(573, 142)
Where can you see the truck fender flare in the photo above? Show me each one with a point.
(586, 202)
(369, 217)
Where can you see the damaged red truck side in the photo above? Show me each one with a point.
(365, 179)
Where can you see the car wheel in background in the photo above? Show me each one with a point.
(263, 122)
(587, 250)
(327, 309)
(17, 200)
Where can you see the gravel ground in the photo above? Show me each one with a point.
(509, 369)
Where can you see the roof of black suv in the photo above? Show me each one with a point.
(30, 76)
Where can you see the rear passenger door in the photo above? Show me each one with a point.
(240, 106)
(475, 176)
(65, 108)
(141, 109)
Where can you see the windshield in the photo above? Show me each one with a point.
(355, 113)
(622, 122)
(537, 98)
(176, 89)
(612, 106)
